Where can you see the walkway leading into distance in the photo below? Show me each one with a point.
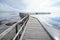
(34, 31)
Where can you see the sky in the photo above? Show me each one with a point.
(30, 5)
(52, 6)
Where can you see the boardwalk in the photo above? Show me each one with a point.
(34, 31)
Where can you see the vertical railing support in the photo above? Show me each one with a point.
(16, 28)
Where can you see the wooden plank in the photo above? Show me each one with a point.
(34, 31)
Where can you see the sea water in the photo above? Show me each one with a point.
(51, 23)
(8, 17)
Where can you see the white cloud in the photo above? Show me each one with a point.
(17, 4)
(5, 7)
(41, 6)
(35, 5)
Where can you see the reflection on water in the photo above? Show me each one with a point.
(57, 19)
(2, 28)
(55, 22)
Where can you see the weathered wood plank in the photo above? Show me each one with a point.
(34, 31)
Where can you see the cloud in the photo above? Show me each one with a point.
(41, 6)
(17, 4)
(34, 5)
(5, 7)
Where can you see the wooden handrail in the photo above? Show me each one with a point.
(19, 32)
(14, 25)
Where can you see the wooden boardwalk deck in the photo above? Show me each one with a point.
(34, 31)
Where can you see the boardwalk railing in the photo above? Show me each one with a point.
(15, 31)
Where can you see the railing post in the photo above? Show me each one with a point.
(16, 32)
(16, 28)
(19, 32)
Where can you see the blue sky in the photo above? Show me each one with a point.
(56, 4)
